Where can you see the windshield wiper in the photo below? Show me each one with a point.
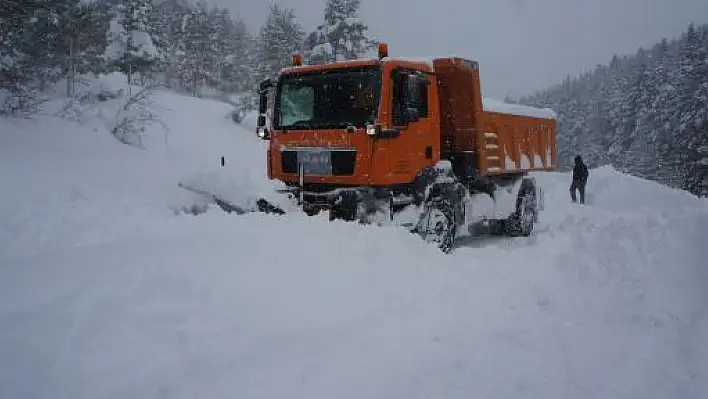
(346, 125)
(310, 124)
(300, 124)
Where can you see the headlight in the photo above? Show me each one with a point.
(371, 130)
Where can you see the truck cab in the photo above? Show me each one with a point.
(372, 123)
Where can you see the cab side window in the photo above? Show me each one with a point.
(410, 97)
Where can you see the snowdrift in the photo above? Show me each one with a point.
(109, 289)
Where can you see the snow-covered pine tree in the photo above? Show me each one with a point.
(693, 94)
(223, 42)
(170, 17)
(13, 59)
(83, 40)
(43, 41)
(236, 70)
(33, 48)
(131, 47)
(342, 36)
(249, 72)
(243, 59)
(207, 49)
(280, 37)
(196, 55)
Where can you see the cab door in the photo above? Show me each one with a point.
(412, 114)
(409, 113)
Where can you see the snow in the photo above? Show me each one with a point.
(108, 290)
(145, 45)
(525, 162)
(537, 161)
(491, 105)
(428, 61)
(322, 49)
(118, 39)
(116, 44)
(6, 61)
(509, 163)
(703, 151)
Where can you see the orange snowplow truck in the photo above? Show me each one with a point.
(387, 130)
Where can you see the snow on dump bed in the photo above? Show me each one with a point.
(502, 107)
(105, 292)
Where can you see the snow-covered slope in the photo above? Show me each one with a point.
(107, 291)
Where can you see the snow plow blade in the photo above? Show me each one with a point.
(229, 207)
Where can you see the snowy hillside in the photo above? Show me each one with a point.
(109, 290)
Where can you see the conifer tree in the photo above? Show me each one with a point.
(131, 47)
(279, 38)
(342, 36)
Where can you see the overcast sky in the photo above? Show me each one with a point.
(522, 45)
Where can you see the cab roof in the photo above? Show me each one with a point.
(422, 65)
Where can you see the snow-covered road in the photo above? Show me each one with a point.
(105, 292)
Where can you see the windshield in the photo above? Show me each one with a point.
(328, 99)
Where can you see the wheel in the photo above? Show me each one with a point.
(345, 207)
(437, 224)
(522, 221)
(423, 180)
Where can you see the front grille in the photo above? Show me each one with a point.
(342, 162)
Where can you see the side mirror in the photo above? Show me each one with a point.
(263, 133)
(265, 85)
(261, 129)
(263, 89)
(263, 102)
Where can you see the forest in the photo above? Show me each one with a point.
(645, 113)
(186, 46)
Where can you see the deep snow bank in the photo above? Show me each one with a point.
(67, 183)
(106, 292)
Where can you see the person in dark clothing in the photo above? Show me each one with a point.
(580, 179)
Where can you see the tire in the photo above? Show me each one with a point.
(521, 223)
(437, 224)
(346, 207)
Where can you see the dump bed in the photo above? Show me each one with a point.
(503, 137)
